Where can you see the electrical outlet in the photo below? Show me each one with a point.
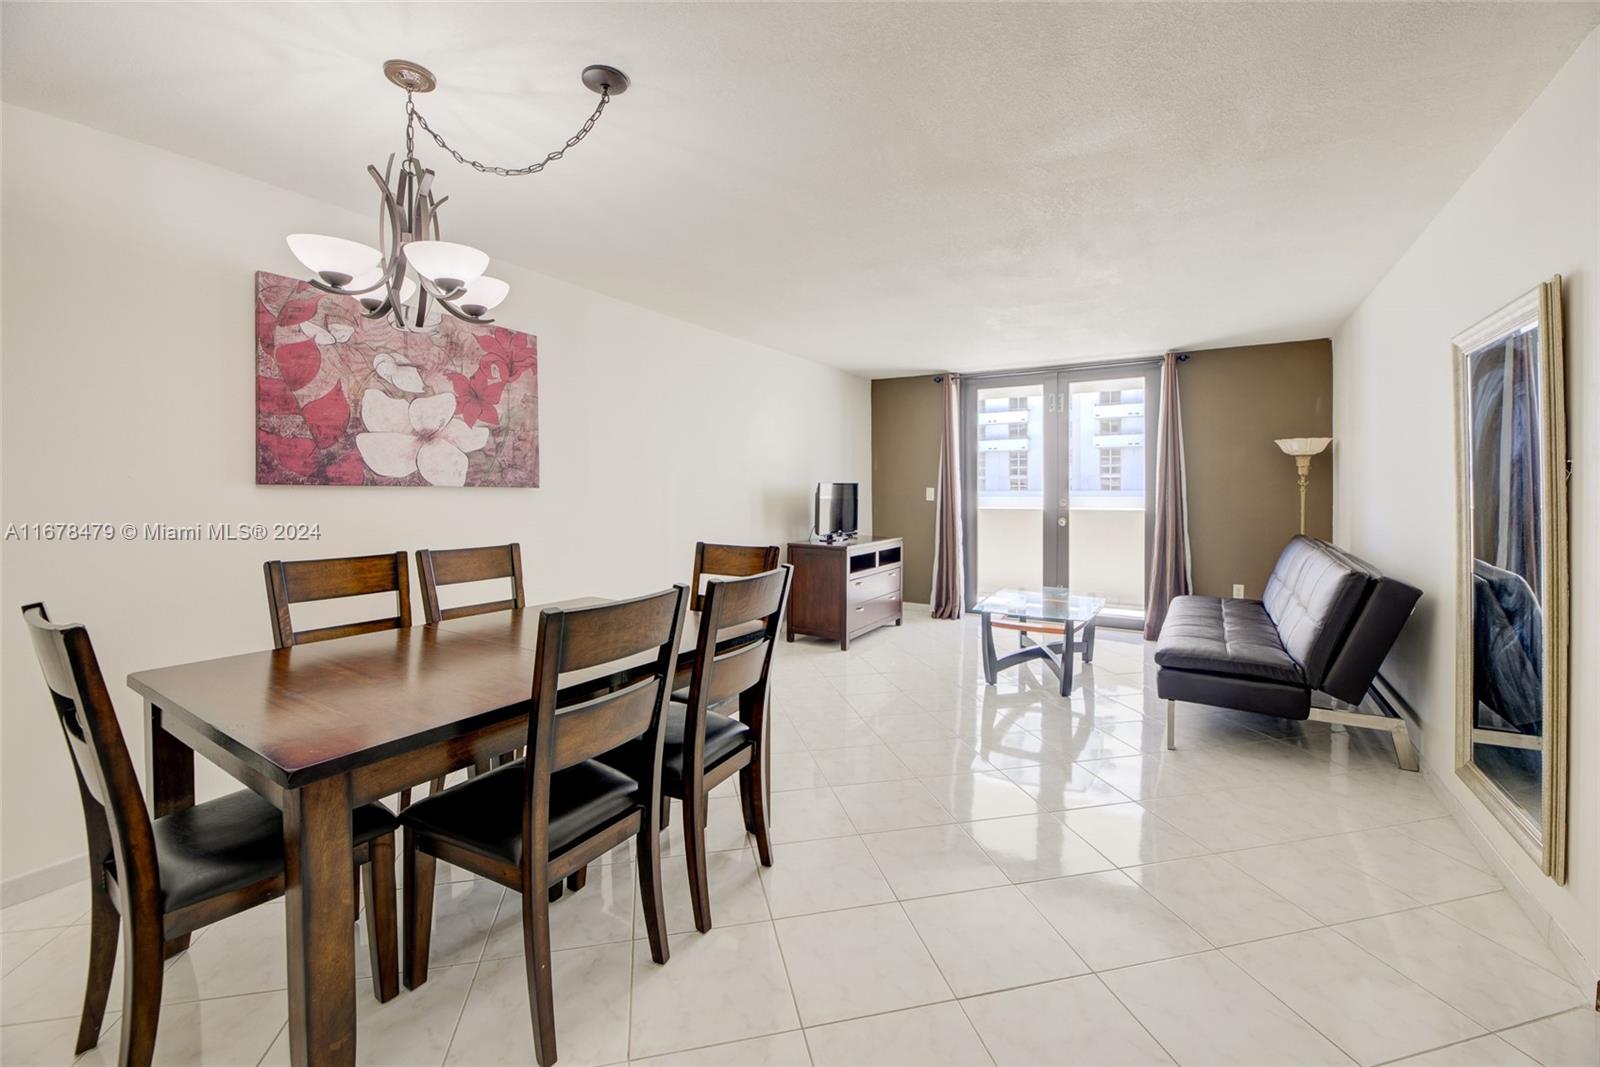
(930, 493)
(1238, 590)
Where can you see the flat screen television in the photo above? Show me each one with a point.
(835, 514)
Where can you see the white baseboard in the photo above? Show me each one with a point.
(21, 887)
(1555, 938)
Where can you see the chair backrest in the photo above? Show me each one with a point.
(733, 657)
(728, 561)
(456, 566)
(606, 639)
(114, 814)
(302, 580)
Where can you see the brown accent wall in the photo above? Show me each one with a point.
(906, 428)
(1243, 500)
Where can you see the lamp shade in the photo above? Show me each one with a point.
(333, 259)
(364, 281)
(482, 296)
(1303, 446)
(448, 265)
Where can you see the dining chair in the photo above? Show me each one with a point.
(728, 561)
(530, 824)
(709, 738)
(458, 566)
(301, 581)
(158, 880)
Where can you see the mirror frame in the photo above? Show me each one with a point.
(1547, 842)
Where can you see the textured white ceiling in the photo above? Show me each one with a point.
(886, 187)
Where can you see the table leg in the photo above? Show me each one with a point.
(989, 665)
(320, 900)
(1066, 664)
(169, 777)
(1088, 641)
(169, 768)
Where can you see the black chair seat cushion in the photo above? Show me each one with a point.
(484, 814)
(1228, 636)
(724, 736)
(232, 842)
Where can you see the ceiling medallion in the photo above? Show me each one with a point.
(412, 266)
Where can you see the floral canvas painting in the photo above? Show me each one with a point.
(342, 399)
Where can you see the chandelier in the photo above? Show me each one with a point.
(413, 269)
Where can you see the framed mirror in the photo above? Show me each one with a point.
(1512, 585)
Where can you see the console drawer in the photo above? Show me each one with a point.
(872, 586)
(873, 612)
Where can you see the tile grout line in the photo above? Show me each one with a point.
(460, 1012)
(783, 959)
(1435, 908)
(1135, 1015)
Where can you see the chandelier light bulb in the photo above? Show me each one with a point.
(483, 296)
(449, 266)
(333, 259)
(374, 300)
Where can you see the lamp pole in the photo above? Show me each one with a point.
(1302, 466)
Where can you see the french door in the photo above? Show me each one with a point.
(1060, 480)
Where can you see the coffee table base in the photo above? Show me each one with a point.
(1057, 655)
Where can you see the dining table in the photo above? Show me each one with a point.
(318, 729)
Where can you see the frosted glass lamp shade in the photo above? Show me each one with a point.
(365, 281)
(482, 296)
(447, 265)
(334, 260)
(1303, 446)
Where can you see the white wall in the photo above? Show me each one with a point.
(129, 397)
(1530, 211)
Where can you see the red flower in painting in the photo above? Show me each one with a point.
(274, 398)
(328, 416)
(513, 352)
(477, 396)
(298, 363)
(298, 455)
(347, 470)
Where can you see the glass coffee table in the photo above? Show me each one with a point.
(1050, 610)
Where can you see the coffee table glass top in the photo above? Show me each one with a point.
(1049, 603)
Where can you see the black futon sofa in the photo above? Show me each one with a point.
(1325, 624)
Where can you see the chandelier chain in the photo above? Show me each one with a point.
(413, 115)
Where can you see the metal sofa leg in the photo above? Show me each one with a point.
(1172, 742)
(1405, 754)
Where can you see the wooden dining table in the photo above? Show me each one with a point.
(318, 729)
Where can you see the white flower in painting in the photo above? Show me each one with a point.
(400, 375)
(406, 437)
(337, 333)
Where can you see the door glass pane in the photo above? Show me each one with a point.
(1106, 490)
(1010, 485)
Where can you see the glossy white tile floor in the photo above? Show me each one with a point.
(963, 875)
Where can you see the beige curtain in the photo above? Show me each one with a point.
(1169, 553)
(948, 592)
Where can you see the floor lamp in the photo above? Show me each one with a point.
(1302, 449)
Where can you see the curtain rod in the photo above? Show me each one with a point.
(1104, 364)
